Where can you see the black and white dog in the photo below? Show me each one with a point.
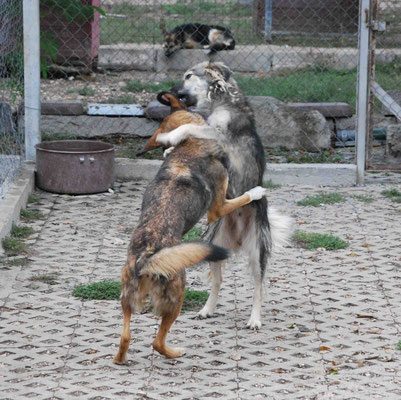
(254, 229)
(197, 36)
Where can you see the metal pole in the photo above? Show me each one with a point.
(362, 106)
(268, 19)
(31, 76)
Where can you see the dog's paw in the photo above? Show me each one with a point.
(204, 313)
(119, 360)
(257, 193)
(254, 323)
(167, 151)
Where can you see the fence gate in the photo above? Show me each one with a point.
(384, 138)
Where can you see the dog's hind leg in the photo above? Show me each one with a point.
(216, 277)
(168, 318)
(258, 245)
(121, 356)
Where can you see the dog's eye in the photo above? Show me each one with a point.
(188, 76)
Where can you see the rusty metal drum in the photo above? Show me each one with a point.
(74, 166)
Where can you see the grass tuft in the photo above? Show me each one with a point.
(50, 279)
(364, 198)
(392, 194)
(194, 299)
(398, 345)
(194, 233)
(321, 199)
(110, 290)
(270, 185)
(33, 199)
(30, 215)
(21, 231)
(103, 290)
(17, 261)
(153, 87)
(313, 241)
(13, 246)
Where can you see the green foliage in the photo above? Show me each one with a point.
(321, 199)
(111, 290)
(21, 231)
(364, 198)
(270, 185)
(33, 199)
(50, 279)
(103, 290)
(393, 195)
(194, 299)
(30, 214)
(154, 87)
(324, 156)
(194, 233)
(13, 246)
(398, 345)
(17, 261)
(313, 241)
(86, 91)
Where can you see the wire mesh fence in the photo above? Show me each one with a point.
(296, 60)
(11, 91)
(384, 150)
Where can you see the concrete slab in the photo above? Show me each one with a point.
(115, 110)
(15, 199)
(283, 174)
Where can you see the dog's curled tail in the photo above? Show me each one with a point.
(171, 260)
(281, 227)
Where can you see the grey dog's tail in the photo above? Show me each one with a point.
(171, 260)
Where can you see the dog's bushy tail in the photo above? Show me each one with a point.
(171, 260)
(281, 227)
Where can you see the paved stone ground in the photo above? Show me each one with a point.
(331, 320)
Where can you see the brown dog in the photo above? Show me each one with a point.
(192, 180)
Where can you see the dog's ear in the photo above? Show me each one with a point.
(221, 69)
(161, 98)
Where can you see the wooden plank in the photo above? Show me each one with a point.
(332, 110)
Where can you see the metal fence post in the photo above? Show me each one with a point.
(362, 106)
(31, 76)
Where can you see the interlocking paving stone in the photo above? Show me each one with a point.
(331, 320)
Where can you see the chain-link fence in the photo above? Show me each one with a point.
(288, 54)
(11, 90)
(384, 149)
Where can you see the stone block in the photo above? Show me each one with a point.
(281, 126)
(62, 108)
(84, 126)
(128, 56)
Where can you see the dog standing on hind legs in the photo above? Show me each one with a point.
(191, 181)
(254, 228)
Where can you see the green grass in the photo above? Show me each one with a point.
(84, 91)
(194, 233)
(313, 241)
(153, 87)
(324, 156)
(270, 185)
(398, 345)
(103, 290)
(393, 195)
(21, 231)
(17, 261)
(13, 246)
(33, 199)
(321, 199)
(194, 299)
(110, 290)
(30, 214)
(50, 279)
(129, 149)
(363, 198)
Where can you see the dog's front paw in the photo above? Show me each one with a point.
(204, 313)
(163, 138)
(257, 193)
(254, 323)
